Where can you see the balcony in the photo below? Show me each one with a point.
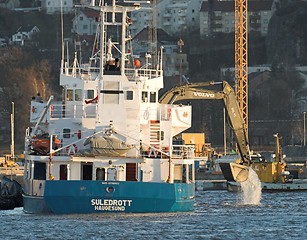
(255, 25)
(217, 17)
(217, 25)
(254, 17)
(182, 14)
(167, 15)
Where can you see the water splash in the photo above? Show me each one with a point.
(251, 189)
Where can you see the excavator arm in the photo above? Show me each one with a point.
(232, 172)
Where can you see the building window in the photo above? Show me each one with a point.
(81, 18)
(193, 10)
(85, 26)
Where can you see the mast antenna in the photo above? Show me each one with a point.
(62, 32)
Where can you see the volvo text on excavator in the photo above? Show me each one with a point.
(232, 171)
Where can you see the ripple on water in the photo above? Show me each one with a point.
(217, 215)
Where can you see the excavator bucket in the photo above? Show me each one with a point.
(234, 172)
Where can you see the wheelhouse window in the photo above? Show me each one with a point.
(78, 95)
(69, 95)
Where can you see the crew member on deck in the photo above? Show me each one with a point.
(39, 98)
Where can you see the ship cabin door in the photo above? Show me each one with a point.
(87, 171)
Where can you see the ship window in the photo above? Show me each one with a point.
(39, 171)
(144, 96)
(63, 172)
(161, 135)
(69, 95)
(66, 133)
(78, 95)
(90, 94)
(129, 95)
(100, 174)
(87, 171)
(153, 97)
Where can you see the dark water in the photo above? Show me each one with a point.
(217, 215)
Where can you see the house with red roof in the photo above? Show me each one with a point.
(85, 22)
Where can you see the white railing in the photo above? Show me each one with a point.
(182, 151)
(134, 74)
(73, 111)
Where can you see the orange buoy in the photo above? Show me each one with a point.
(137, 63)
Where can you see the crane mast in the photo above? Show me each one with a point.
(241, 57)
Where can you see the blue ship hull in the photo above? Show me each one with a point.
(68, 197)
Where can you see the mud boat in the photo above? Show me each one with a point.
(107, 145)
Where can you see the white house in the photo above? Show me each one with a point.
(85, 22)
(54, 6)
(10, 4)
(23, 34)
(176, 17)
(173, 60)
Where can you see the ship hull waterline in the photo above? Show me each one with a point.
(75, 197)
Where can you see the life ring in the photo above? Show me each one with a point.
(146, 115)
(72, 149)
(169, 112)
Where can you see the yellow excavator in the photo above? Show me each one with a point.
(236, 171)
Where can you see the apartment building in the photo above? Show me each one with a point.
(54, 6)
(218, 16)
(176, 17)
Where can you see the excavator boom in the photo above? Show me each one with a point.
(232, 172)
